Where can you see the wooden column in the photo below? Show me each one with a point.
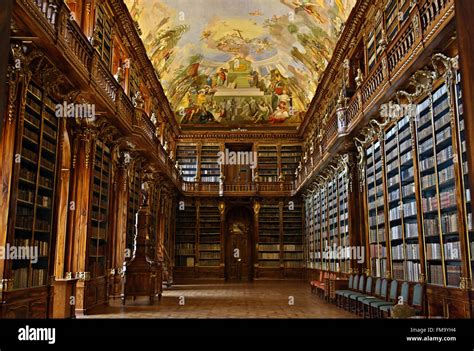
(64, 285)
(465, 32)
(356, 216)
(86, 138)
(256, 210)
(222, 212)
(10, 121)
(118, 242)
(282, 251)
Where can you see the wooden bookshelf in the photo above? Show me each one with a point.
(465, 173)
(186, 234)
(35, 184)
(292, 242)
(209, 236)
(290, 156)
(329, 232)
(438, 190)
(267, 159)
(402, 207)
(316, 208)
(100, 211)
(187, 157)
(332, 240)
(343, 220)
(209, 163)
(269, 246)
(376, 210)
(309, 231)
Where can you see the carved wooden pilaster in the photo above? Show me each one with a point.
(122, 163)
(86, 137)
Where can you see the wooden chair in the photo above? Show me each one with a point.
(327, 286)
(314, 283)
(417, 300)
(365, 300)
(379, 295)
(320, 284)
(352, 298)
(403, 293)
(366, 293)
(343, 294)
(358, 289)
(340, 292)
(376, 305)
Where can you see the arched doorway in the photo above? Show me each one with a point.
(238, 241)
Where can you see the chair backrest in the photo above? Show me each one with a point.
(321, 276)
(384, 288)
(355, 284)
(404, 292)
(368, 285)
(351, 279)
(417, 299)
(362, 283)
(378, 284)
(393, 290)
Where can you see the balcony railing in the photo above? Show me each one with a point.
(49, 9)
(238, 188)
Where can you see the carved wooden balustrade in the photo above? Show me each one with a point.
(238, 189)
(49, 9)
(79, 45)
(402, 47)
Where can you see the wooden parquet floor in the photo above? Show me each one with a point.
(259, 299)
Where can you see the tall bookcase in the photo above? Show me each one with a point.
(465, 173)
(290, 156)
(292, 235)
(438, 190)
(100, 211)
(267, 159)
(209, 236)
(209, 163)
(187, 157)
(333, 224)
(317, 205)
(269, 236)
(402, 209)
(343, 220)
(329, 232)
(185, 254)
(376, 210)
(309, 230)
(430, 178)
(32, 214)
(324, 222)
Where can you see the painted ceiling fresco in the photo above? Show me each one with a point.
(240, 62)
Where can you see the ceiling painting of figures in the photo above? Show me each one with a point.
(240, 62)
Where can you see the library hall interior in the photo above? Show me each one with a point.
(226, 159)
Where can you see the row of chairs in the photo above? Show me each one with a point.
(378, 300)
(319, 286)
